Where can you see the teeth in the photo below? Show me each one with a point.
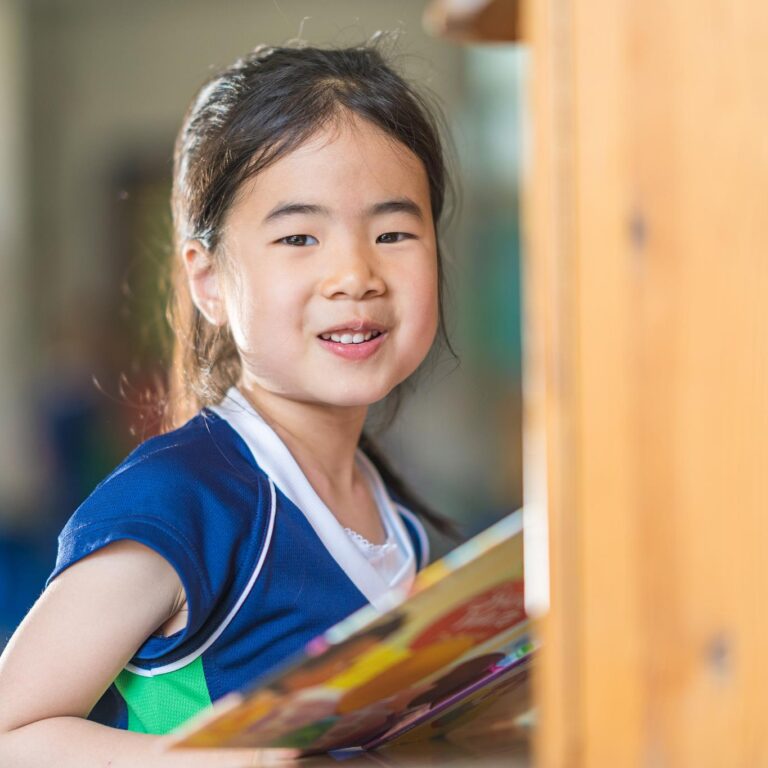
(350, 338)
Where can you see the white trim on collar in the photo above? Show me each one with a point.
(273, 456)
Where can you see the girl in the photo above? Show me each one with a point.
(308, 185)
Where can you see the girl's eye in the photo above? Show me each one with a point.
(393, 237)
(298, 240)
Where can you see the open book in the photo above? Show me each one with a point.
(457, 640)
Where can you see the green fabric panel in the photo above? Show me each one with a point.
(160, 704)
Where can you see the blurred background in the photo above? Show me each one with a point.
(91, 95)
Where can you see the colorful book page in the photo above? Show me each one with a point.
(456, 700)
(463, 616)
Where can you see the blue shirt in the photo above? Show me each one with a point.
(264, 564)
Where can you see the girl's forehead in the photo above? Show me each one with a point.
(348, 161)
(349, 131)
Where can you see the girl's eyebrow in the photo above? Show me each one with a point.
(396, 205)
(282, 210)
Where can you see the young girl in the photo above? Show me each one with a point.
(308, 185)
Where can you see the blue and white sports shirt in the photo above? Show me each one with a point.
(264, 563)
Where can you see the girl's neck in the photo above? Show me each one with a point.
(322, 438)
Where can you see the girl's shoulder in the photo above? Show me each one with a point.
(193, 495)
(184, 479)
(198, 450)
(189, 494)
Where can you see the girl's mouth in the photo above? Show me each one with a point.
(350, 337)
(353, 345)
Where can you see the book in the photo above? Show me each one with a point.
(444, 649)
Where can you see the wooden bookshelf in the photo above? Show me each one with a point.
(647, 288)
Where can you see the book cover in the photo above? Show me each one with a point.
(460, 629)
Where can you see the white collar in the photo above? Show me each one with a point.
(273, 456)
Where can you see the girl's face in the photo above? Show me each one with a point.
(330, 277)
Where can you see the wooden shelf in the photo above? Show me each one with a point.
(474, 20)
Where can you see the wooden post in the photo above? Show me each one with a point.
(646, 288)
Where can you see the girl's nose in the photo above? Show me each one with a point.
(354, 276)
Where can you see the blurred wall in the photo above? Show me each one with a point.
(17, 475)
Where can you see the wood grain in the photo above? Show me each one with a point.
(646, 281)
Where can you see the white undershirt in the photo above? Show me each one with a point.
(387, 558)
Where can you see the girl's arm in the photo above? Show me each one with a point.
(79, 635)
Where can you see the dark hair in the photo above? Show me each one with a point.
(242, 120)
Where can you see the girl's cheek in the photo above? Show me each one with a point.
(425, 299)
(245, 309)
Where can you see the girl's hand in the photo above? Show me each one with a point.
(222, 758)
(69, 742)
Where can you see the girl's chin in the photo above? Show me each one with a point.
(331, 391)
(352, 400)
(356, 394)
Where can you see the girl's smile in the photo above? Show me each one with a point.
(359, 345)
(328, 278)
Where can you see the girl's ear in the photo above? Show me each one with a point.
(204, 284)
